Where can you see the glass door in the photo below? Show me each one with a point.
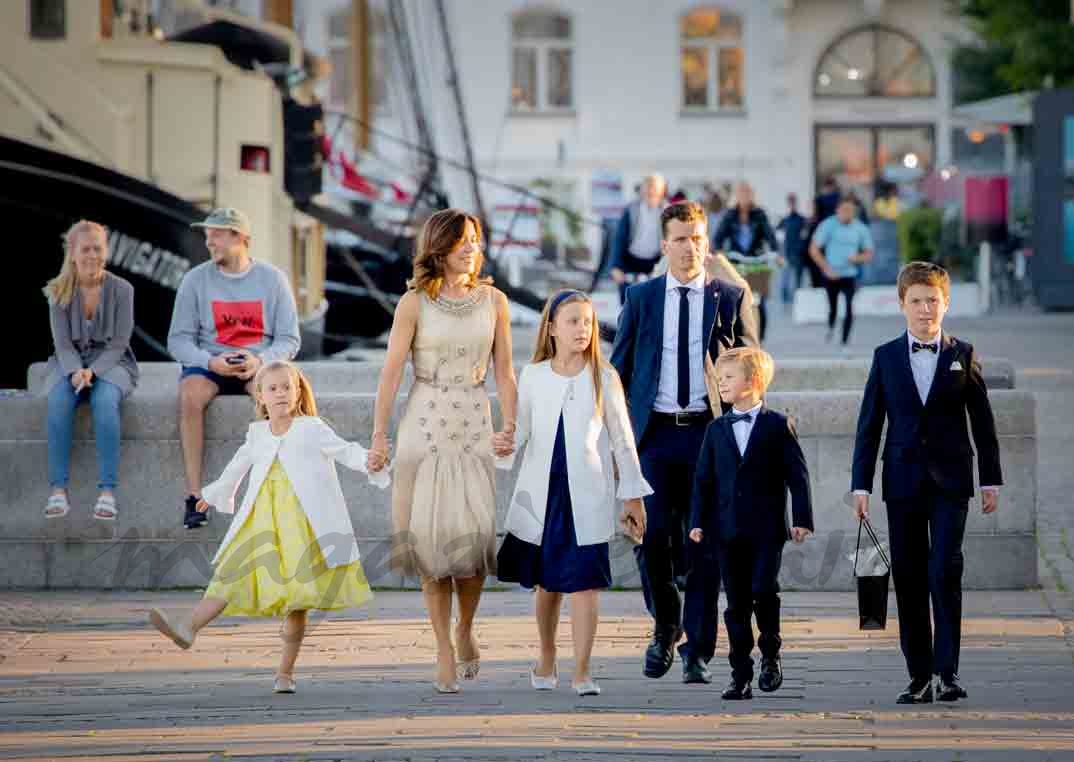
(865, 158)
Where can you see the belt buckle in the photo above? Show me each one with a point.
(684, 420)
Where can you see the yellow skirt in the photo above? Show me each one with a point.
(274, 564)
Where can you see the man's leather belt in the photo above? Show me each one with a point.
(682, 419)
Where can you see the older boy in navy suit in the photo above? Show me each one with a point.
(749, 460)
(924, 383)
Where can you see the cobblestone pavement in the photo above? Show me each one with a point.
(83, 677)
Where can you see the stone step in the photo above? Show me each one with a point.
(333, 377)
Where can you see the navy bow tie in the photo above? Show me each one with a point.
(917, 346)
(733, 418)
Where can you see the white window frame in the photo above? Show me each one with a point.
(333, 43)
(712, 46)
(543, 47)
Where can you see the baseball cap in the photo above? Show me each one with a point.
(226, 217)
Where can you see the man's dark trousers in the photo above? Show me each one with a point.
(668, 455)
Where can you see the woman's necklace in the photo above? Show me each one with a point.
(460, 304)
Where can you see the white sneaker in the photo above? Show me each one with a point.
(547, 683)
(283, 684)
(179, 632)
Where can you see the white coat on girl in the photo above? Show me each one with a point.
(593, 443)
(308, 453)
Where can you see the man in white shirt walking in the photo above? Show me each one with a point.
(668, 328)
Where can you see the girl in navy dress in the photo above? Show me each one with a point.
(574, 426)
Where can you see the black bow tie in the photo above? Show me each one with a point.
(733, 418)
(917, 346)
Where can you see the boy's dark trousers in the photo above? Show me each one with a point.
(926, 560)
(749, 568)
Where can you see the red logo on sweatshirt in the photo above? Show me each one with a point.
(239, 324)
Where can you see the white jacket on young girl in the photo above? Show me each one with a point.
(308, 453)
(594, 444)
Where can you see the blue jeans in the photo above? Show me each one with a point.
(104, 398)
(791, 279)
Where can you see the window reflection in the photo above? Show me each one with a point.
(711, 60)
(863, 158)
(541, 62)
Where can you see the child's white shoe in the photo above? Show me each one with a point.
(179, 631)
(587, 688)
(546, 683)
(283, 684)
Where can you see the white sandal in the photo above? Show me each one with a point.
(105, 510)
(57, 506)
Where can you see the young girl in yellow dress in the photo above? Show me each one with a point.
(291, 548)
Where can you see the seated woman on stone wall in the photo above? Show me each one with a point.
(91, 312)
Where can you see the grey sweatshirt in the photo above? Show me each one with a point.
(216, 312)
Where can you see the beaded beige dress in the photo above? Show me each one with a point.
(443, 486)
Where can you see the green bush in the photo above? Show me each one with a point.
(919, 231)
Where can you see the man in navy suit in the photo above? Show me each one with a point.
(668, 327)
(924, 383)
(749, 461)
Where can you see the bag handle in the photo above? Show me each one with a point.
(864, 522)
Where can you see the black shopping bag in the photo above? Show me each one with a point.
(872, 590)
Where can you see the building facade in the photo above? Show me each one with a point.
(581, 99)
(776, 92)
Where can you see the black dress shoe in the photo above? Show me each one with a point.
(736, 691)
(192, 517)
(948, 689)
(695, 671)
(917, 692)
(771, 676)
(660, 654)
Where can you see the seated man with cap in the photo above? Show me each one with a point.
(232, 315)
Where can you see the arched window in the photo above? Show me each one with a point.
(542, 55)
(875, 62)
(711, 60)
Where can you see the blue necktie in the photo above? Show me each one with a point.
(684, 347)
(733, 418)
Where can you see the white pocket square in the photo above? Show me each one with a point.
(956, 365)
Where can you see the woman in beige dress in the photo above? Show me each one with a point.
(450, 323)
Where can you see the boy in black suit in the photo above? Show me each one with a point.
(924, 383)
(749, 459)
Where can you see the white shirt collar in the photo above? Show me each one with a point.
(696, 284)
(752, 412)
(910, 339)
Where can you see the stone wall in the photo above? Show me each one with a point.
(148, 547)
